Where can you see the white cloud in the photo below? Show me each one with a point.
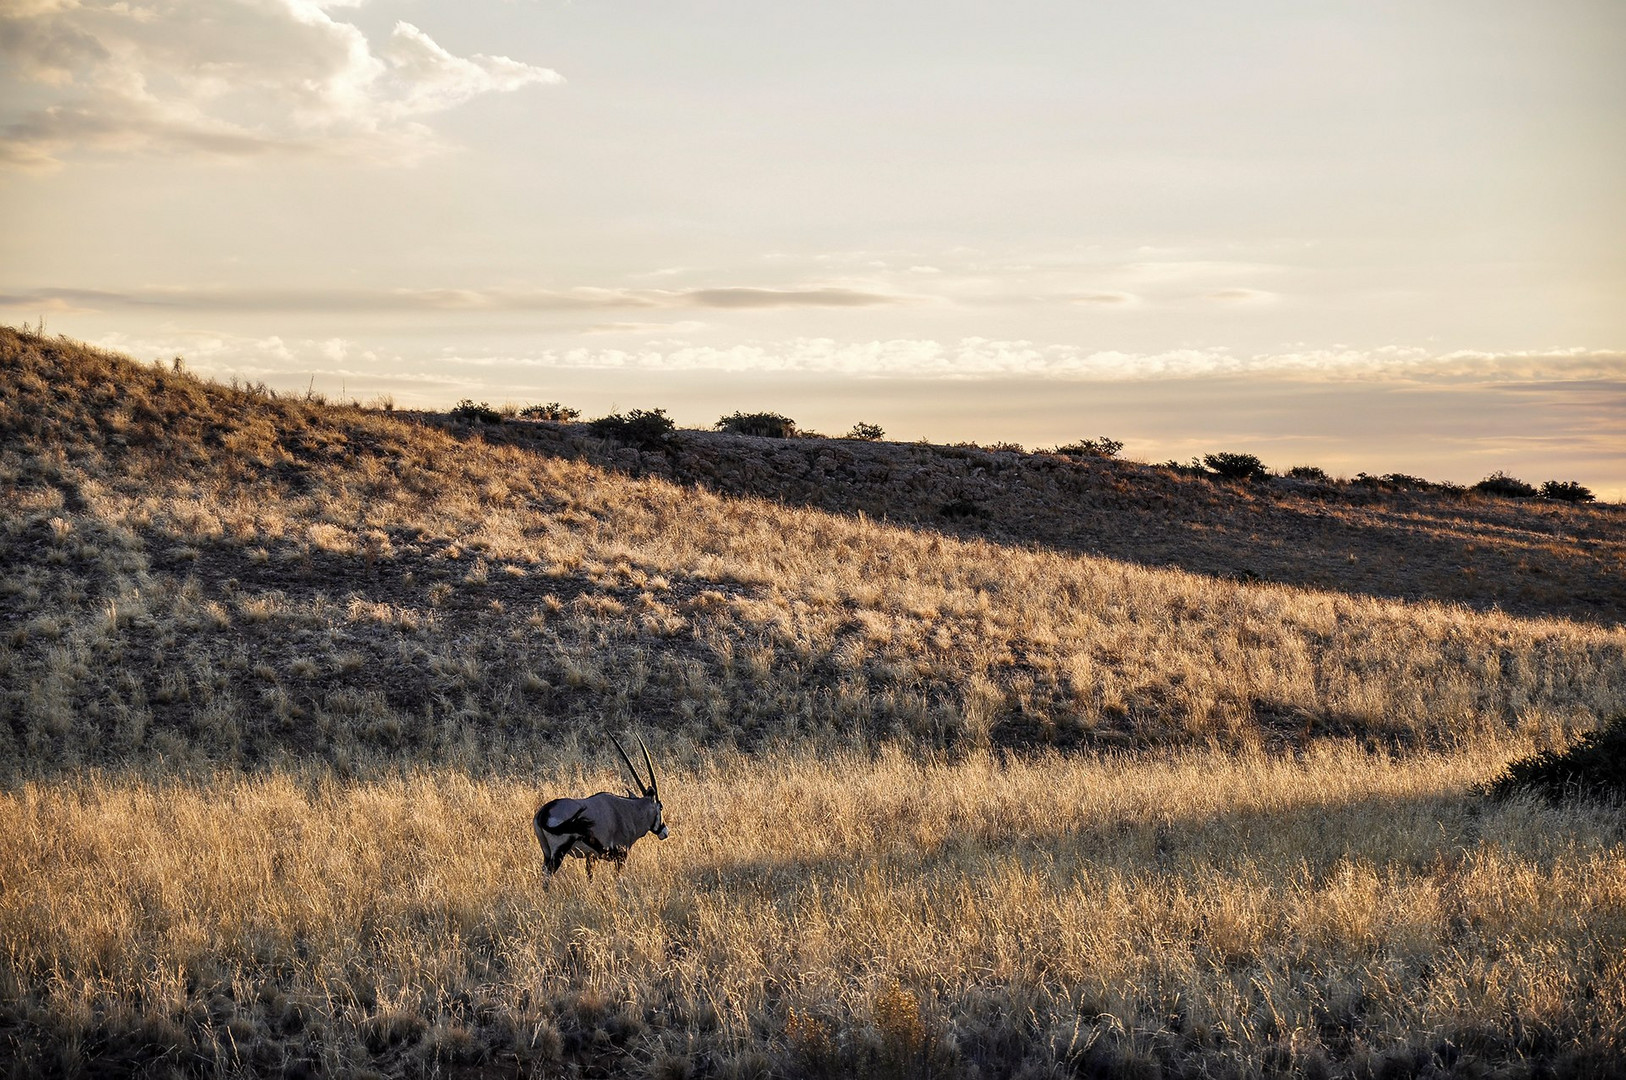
(215, 352)
(230, 78)
(985, 358)
(685, 326)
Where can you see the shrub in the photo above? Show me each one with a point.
(1006, 447)
(765, 424)
(1399, 481)
(1509, 487)
(866, 431)
(961, 509)
(1229, 466)
(648, 429)
(1194, 467)
(1566, 491)
(1309, 472)
(471, 413)
(551, 411)
(1103, 447)
(1593, 767)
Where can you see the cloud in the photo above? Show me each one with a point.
(977, 358)
(686, 326)
(1241, 296)
(227, 78)
(769, 298)
(1531, 371)
(44, 48)
(1105, 298)
(501, 299)
(331, 365)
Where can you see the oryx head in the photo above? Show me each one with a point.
(650, 791)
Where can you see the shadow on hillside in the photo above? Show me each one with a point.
(254, 657)
(1530, 558)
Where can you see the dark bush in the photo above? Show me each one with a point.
(866, 431)
(1099, 447)
(1509, 487)
(1309, 472)
(1235, 466)
(471, 413)
(551, 411)
(648, 429)
(961, 509)
(1593, 767)
(1399, 481)
(1566, 491)
(764, 424)
(1194, 467)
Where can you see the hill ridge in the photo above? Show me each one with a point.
(1525, 557)
(212, 575)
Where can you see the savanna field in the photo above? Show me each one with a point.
(1121, 772)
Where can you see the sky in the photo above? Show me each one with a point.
(1372, 236)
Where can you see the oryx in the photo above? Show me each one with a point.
(601, 826)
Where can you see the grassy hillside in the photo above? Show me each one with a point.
(1377, 538)
(212, 575)
(281, 681)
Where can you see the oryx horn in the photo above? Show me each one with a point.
(645, 788)
(654, 788)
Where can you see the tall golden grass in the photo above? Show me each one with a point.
(1339, 913)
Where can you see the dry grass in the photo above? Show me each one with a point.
(342, 585)
(1528, 557)
(1340, 914)
(270, 672)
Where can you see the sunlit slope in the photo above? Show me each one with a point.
(207, 574)
(1384, 537)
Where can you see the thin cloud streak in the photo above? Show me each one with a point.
(762, 298)
(341, 300)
